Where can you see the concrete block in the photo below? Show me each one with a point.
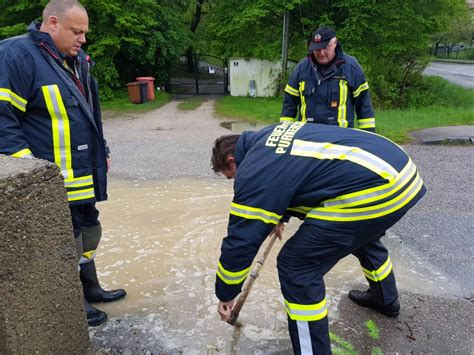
(41, 303)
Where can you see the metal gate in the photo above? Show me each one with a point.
(200, 74)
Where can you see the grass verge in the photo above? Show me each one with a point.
(436, 103)
(122, 104)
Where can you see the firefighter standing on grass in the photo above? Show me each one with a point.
(49, 109)
(328, 86)
(349, 186)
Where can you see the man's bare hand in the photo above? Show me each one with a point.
(278, 230)
(225, 310)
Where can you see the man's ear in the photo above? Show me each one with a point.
(53, 22)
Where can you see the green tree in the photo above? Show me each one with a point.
(389, 38)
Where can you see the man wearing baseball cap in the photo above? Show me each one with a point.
(328, 87)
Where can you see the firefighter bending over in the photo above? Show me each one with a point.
(348, 185)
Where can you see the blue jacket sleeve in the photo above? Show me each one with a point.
(362, 102)
(14, 92)
(254, 213)
(291, 99)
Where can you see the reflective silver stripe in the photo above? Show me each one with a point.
(60, 127)
(356, 155)
(304, 337)
(381, 273)
(356, 214)
(79, 182)
(366, 123)
(291, 91)
(254, 213)
(80, 195)
(231, 278)
(373, 194)
(312, 312)
(364, 86)
(342, 109)
(14, 99)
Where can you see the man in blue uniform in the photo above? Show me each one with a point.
(328, 86)
(49, 109)
(348, 185)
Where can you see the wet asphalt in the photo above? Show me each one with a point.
(169, 144)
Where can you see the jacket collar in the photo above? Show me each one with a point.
(43, 38)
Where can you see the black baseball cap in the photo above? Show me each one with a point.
(321, 37)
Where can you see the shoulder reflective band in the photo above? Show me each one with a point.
(24, 153)
(14, 99)
(366, 123)
(307, 312)
(364, 86)
(342, 109)
(291, 91)
(356, 155)
(381, 273)
(364, 213)
(303, 102)
(231, 278)
(254, 213)
(375, 193)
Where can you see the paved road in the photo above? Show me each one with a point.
(169, 143)
(461, 74)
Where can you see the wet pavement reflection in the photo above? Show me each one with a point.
(161, 243)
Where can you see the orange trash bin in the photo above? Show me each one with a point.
(151, 86)
(134, 92)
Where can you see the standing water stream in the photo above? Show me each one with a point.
(161, 243)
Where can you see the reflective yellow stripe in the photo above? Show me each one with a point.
(365, 213)
(300, 209)
(356, 155)
(79, 181)
(17, 101)
(287, 119)
(374, 194)
(229, 277)
(60, 128)
(291, 91)
(303, 102)
(24, 153)
(381, 273)
(254, 213)
(83, 194)
(307, 312)
(366, 123)
(364, 86)
(342, 109)
(87, 256)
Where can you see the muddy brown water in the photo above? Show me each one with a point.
(161, 243)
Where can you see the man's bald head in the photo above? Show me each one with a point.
(67, 23)
(59, 8)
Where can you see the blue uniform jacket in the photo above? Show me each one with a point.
(47, 112)
(331, 98)
(327, 175)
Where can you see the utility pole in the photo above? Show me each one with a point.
(284, 48)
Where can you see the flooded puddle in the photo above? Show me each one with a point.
(239, 126)
(161, 243)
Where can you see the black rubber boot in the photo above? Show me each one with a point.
(365, 299)
(95, 316)
(92, 290)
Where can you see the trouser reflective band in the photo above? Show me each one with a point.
(310, 337)
(91, 236)
(378, 270)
